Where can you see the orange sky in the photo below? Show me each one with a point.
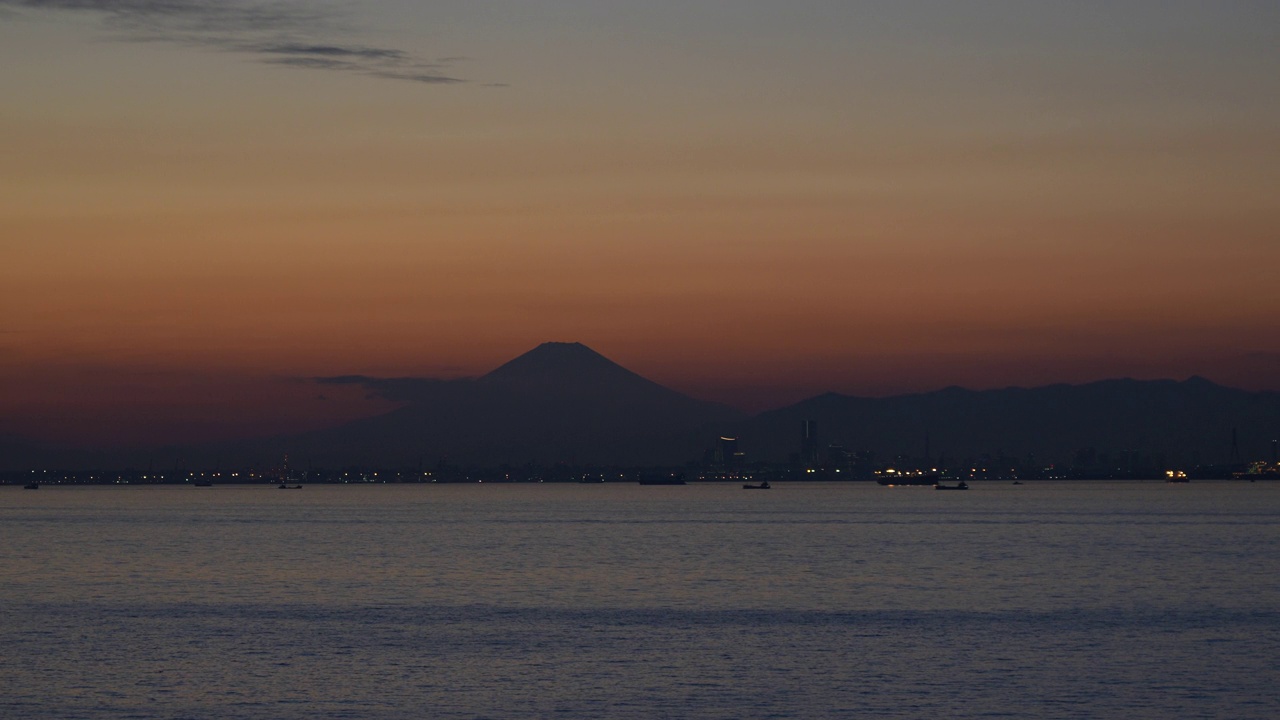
(743, 206)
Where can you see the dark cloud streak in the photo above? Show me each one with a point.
(365, 53)
(276, 32)
(196, 16)
(426, 78)
(313, 63)
(403, 389)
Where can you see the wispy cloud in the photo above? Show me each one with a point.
(335, 51)
(403, 389)
(308, 35)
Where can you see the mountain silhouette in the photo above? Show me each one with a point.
(560, 402)
(564, 362)
(566, 403)
(563, 372)
(1182, 423)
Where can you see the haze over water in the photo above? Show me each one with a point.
(1088, 600)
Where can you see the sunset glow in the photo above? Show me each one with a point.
(749, 202)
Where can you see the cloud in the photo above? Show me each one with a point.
(405, 389)
(419, 77)
(334, 51)
(287, 33)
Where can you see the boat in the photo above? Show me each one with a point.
(203, 483)
(762, 486)
(962, 485)
(31, 486)
(1017, 482)
(894, 479)
(282, 486)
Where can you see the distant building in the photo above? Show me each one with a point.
(809, 443)
(839, 458)
(727, 454)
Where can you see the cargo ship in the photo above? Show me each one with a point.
(890, 478)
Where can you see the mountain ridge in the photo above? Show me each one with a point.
(1182, 421)
(566, 403)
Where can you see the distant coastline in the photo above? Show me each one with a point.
(564, 474)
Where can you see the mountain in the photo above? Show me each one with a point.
(1188, 422)
(560, 402)
(566, 403)
(568, 366)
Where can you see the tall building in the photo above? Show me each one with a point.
(809, 442)
(727, 453)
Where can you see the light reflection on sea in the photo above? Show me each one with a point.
(1052, 600)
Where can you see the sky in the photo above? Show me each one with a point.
(205, 205)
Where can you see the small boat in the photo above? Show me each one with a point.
(31, 486)
(961, 486)
(1017, 482)
(282, 486)
(203, 483)
(921, 480)
(762, 486)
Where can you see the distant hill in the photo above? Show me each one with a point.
(1188, 422)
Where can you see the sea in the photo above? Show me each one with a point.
(822, 600)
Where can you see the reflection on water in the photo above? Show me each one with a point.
(1124, 600)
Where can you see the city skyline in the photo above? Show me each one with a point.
(203, 207)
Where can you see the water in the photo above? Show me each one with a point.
(1048, 600)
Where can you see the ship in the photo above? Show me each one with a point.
(891, 479)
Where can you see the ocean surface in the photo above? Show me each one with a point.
(1046, 600)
